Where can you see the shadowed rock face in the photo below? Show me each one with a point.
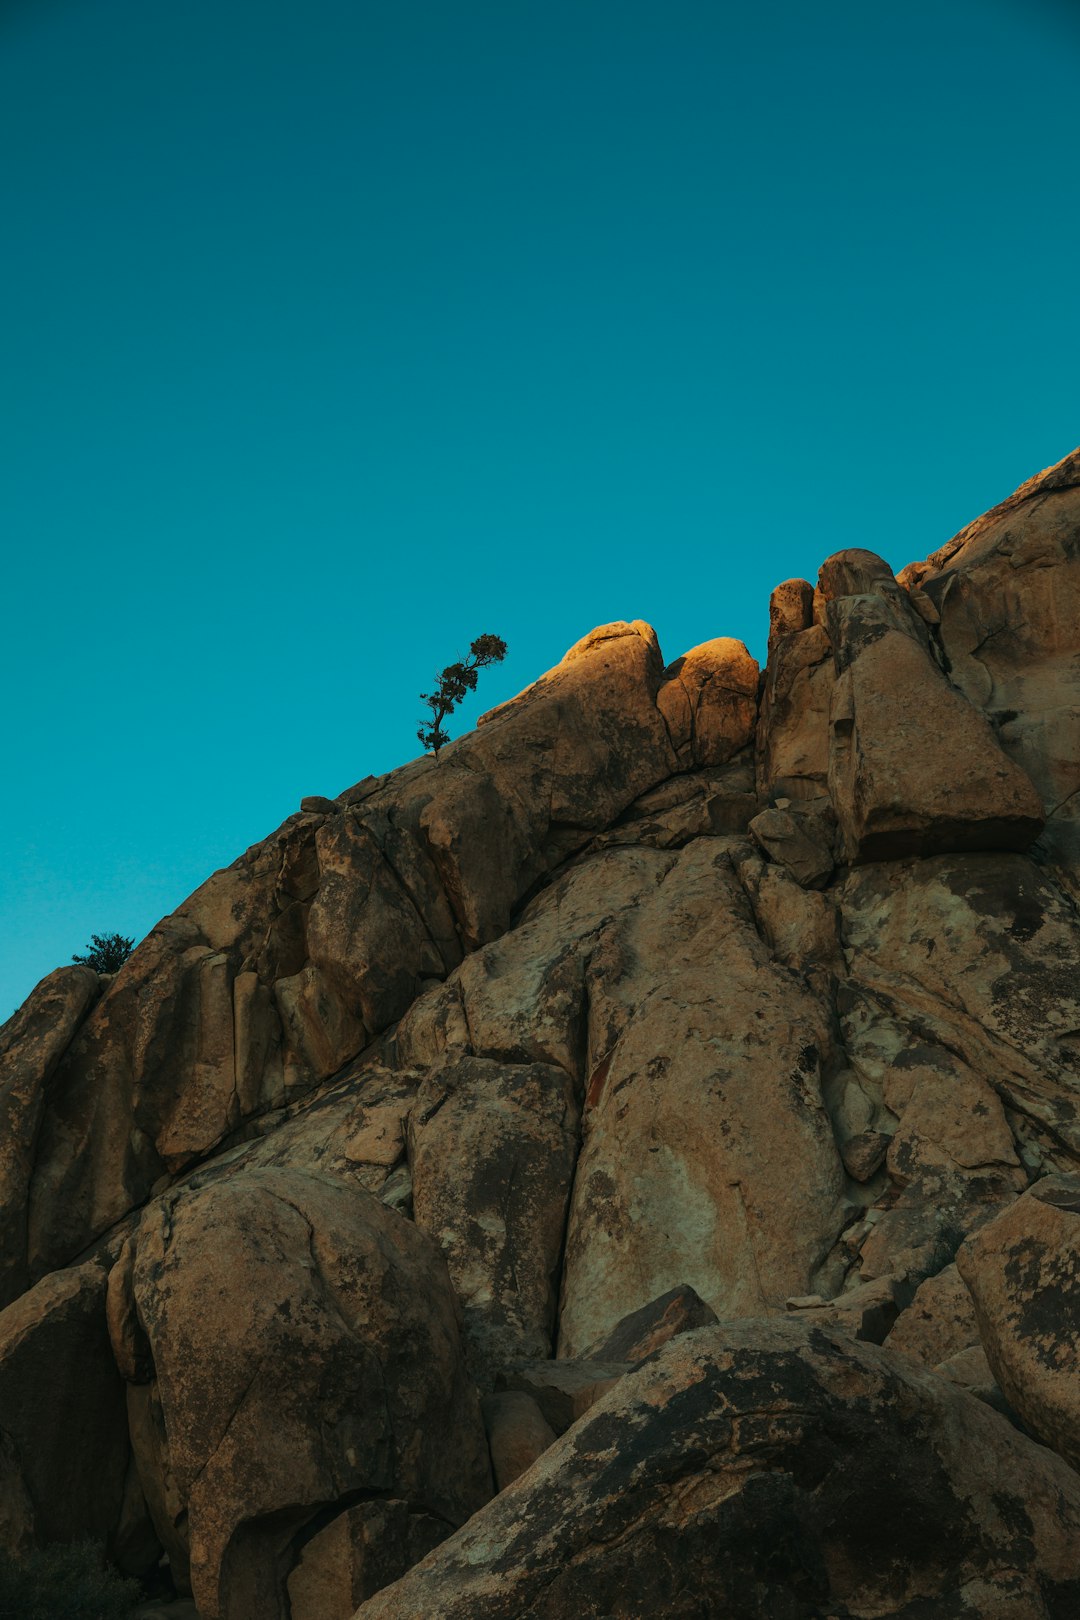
(1023, 1270)
(765, 1469)
(303, 1344)
(32, 1043)
(671, 993)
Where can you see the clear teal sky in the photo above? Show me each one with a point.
(336, 332)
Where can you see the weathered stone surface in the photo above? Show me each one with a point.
(523, 998)
(492, 1149)
(305, 1347)
(791, 609)
(970, 1369)
(696, 804)
(866, 1312)
(359, 1552)
(32, 1043)
(939, 1323)
(971, 964)
(63, 1436)
(793, 731)
(563, 1390)
(802, 848)
(767, 1469)
(1023, 1270)
(708, 1156)
(642, 1332)
(914, 768)
(855, 572)
(1007, 590)
(800, 926)
(709, 701)
(517, 1432)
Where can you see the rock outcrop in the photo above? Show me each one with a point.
(660, 1115)
(767, 1469)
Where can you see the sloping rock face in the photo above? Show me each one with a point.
(673, 994)
(761, 1469)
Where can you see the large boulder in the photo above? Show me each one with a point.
(709, 1157)
(304, 1346)
(1007, 593)
(63, 1427)
(709, 701)
(32, 1043)
(914, 768)
(767, 1470)
(1023, 1271)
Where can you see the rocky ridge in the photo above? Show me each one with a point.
(631, 1165)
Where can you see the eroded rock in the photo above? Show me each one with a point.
(32, 1042)
(305, 1345)
(708, 1152)
(1023, 1270)
(767, 1468)
(63, 1432)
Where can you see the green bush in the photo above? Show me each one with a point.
(106, 952)
(64, 1582)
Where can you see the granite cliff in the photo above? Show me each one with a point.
(630, 1166)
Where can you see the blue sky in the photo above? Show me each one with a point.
(337, 333)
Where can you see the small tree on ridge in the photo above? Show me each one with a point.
(106, 952)
(455, 681)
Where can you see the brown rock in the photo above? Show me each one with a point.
(971, 1371)
(591, 726)
(1007, 590)
(305, 1346)
(359, 1552)
(165, 1501)
(62, 1412)
(32, 1043)
(709, 701)
(1023, 1270)
(644, 1331)
(364, 933)
(800, 926)
(866, 1312)
(95, 1160)
(767, 1469)
(969, 964)
(523, 998)
(939, 1323)
(791, 610)
(708, 1152)
(492, 1149)
(793, 732)
(800, 845)
(562, 1390)
(353, 1129)
(913, 767)
(517, 1434)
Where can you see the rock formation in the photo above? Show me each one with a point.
(628, 1166)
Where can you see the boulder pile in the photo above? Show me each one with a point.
(628, 1166)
